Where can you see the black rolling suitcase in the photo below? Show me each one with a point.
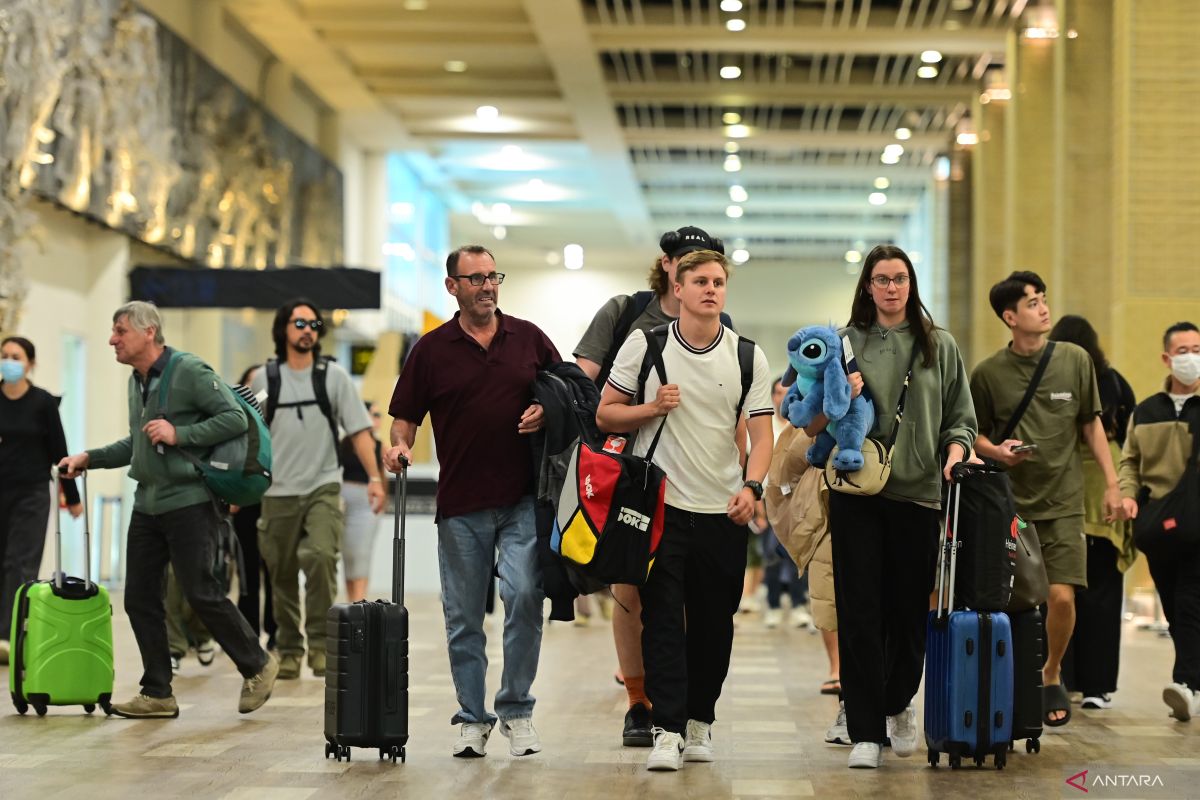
(1029, 654)
(366, 675)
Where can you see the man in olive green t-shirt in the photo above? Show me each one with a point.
(1047, 480)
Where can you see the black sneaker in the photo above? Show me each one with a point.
(637, 727)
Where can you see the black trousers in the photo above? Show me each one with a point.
(1094, 654)
(24, 509)
(187, 539)
(245, 523)
(688, 604)
(1176, 573)
(884, 559)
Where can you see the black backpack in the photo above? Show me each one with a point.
(745, 352)
(637, 305)
(320, 371)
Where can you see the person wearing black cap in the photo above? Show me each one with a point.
(616, 319)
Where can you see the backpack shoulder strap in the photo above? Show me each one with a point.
(164, 382)
(320, 376)
(635, 306)
(726, 320)
(745, 352)
(1013, 421)
(273, 384)
(656, 341)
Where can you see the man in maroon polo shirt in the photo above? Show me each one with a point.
(474, 376)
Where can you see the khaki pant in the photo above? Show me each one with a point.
(302, 533)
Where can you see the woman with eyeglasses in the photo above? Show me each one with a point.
(31, 440)
(361, 519)
(885, 545)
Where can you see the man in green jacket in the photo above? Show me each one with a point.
(174, 520)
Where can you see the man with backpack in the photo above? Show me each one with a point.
(608, 330)
(301, 524)
(695, 583)
(174, 516)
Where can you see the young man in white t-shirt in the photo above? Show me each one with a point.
(697, 572)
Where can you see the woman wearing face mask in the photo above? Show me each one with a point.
(31, 440)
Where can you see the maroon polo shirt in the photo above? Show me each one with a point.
(475, 398)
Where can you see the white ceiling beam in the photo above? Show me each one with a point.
(807, 39)
(743, 93)
(800, 227)
(782, 141)
(778, 202)
(689, 174)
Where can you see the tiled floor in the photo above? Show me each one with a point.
(768, 739)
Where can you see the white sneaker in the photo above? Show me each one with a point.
(749, 605)
(772, 617)
(522, 738)
(667, 753)
(1097, 702)
(801, 618)
(866, 755)
(837, 732)
(697, 745)
(472, 740)
(902, 730)
(1184, 703)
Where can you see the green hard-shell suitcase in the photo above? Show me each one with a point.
(62, 637)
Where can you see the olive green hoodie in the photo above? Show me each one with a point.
(937, 411)
(204, 412)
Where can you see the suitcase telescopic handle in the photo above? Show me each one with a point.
(948, 552)
(398, 539)
(87, 532)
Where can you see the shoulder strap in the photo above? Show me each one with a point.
(656, 340)
(636, 305)
(745, 351)
(320, 375)
(273, 383)
(895, 432)
(164, 382)
(1015, 419)
(726, 320)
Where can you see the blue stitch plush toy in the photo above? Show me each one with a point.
(815, 355)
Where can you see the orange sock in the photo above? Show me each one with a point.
(636, 689)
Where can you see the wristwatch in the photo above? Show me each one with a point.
(755, 487)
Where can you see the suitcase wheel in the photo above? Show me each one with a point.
(1033, 746)
(330, 749)
(106, 706)
(89, 708)
(955, 762)
(392, 752)
(19, 703)
(934, 758)
(39, 707)
(1001, 760)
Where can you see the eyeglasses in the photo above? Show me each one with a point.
(301, 324)
(478, 278)
(882, 281)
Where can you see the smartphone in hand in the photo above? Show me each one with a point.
(1023, 448)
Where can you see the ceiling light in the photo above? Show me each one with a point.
(501, 210)
(895, 149)
(730, 73)
(853, 256)
(500, 232)
(1040, 33)
(731, 118)
(961, 5)
(927, 71)
(732, 147)
(731, 6)
(1072, 34)
(573, 256)
(968, 139)
(733, 164)
(882, 183)
(487, 112)
(903, 134)
(403, 212)
(877, 198)
(536, 183)
(400, 250)
(553, 258)
(738, 194)
(479, 210)
(737, 131)
(510, 150)
(890, 158)
(735, 25)
(416, 5)
(734, 212)
(740, 256)
(455, 65)
(930, 57)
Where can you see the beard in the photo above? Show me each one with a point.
(304, 345)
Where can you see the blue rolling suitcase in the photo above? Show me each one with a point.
(968, 670)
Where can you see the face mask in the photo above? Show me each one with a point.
(11, 371)
(1185, 367)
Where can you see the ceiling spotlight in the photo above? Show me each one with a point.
(402, 211)
(740, 256)
(882, 183)
(734, 212)
(927, 71)
(416, 5)
(853, 256)
(738, 194)
(730, 73)
(510, 150)
(455, 66)
(737, 131)
(966, 139)
(731, 118)
(500, 232)
(536, 183)
(732, 147)
(735, 25)
(930, 57)
(487, 112)
(501, 210)
(896, 149)
(890, 158)
(573, 256)
(731, 6)
(903, 134)
(877, 198)
(733, 164)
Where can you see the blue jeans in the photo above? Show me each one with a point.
(466, 546)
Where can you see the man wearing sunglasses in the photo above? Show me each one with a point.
(302, 523)
(473, 376)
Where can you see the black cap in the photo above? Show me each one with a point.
(688, 239)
